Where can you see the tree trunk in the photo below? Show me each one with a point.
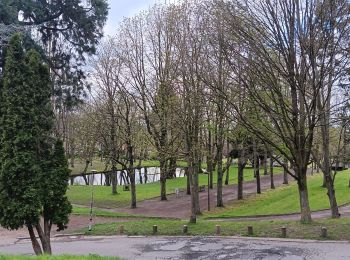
(140, 175)
(227, 175)
(35, 244)
(133, 188)
(285, 173)
(256, 168)
(258, 183)
(227, 171)
(210, 160)
(219, 200)
(271, 173)
(193, 218)
(265, 162)
(172, 168)
(114, 180)
(328, 178)
(45, 239)
(163, 177)
(200, 162)
(146, 175)
(305, 215)
(86, 180)
(332, 199)
(188, 184)
(240, 180)
(241, 166)
(228, 163)
(108, 179)
(195, 209)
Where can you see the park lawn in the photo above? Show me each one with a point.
(338, 229)
(285, 200)
(103, 197)
(59, 257)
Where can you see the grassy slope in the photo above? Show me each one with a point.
(286, 200)
(103, 197)
(337, 229)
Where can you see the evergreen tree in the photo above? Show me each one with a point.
(33, 171)
(69, 29)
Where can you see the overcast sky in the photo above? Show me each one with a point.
(124, 8)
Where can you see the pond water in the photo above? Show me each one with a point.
(143, 175)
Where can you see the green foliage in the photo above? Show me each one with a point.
(71, 27)
(19, 182)
(57, 207)
(33, 171)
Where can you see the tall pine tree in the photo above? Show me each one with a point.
(33, 171)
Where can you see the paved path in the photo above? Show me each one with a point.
(192, 248)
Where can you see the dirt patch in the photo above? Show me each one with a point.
(76, 222)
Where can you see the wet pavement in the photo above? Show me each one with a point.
(191, 248)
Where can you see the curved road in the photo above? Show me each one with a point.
(192, 248)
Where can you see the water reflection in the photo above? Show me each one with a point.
(142, 175)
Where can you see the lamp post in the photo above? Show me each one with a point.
(93, 172)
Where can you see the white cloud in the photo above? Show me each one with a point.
(124, 8)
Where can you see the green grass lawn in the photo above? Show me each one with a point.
(103, 197)
(338, 229)
(60, 257)
(286, 199)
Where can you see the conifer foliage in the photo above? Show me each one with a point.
(33, 168)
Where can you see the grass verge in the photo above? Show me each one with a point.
(338, 229)
(104, 213)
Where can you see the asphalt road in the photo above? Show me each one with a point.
(191, 248)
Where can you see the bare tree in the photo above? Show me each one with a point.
(281, 44)
(106, 68)
(152, 62)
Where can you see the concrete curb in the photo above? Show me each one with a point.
(55, 236)
(263, 239)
